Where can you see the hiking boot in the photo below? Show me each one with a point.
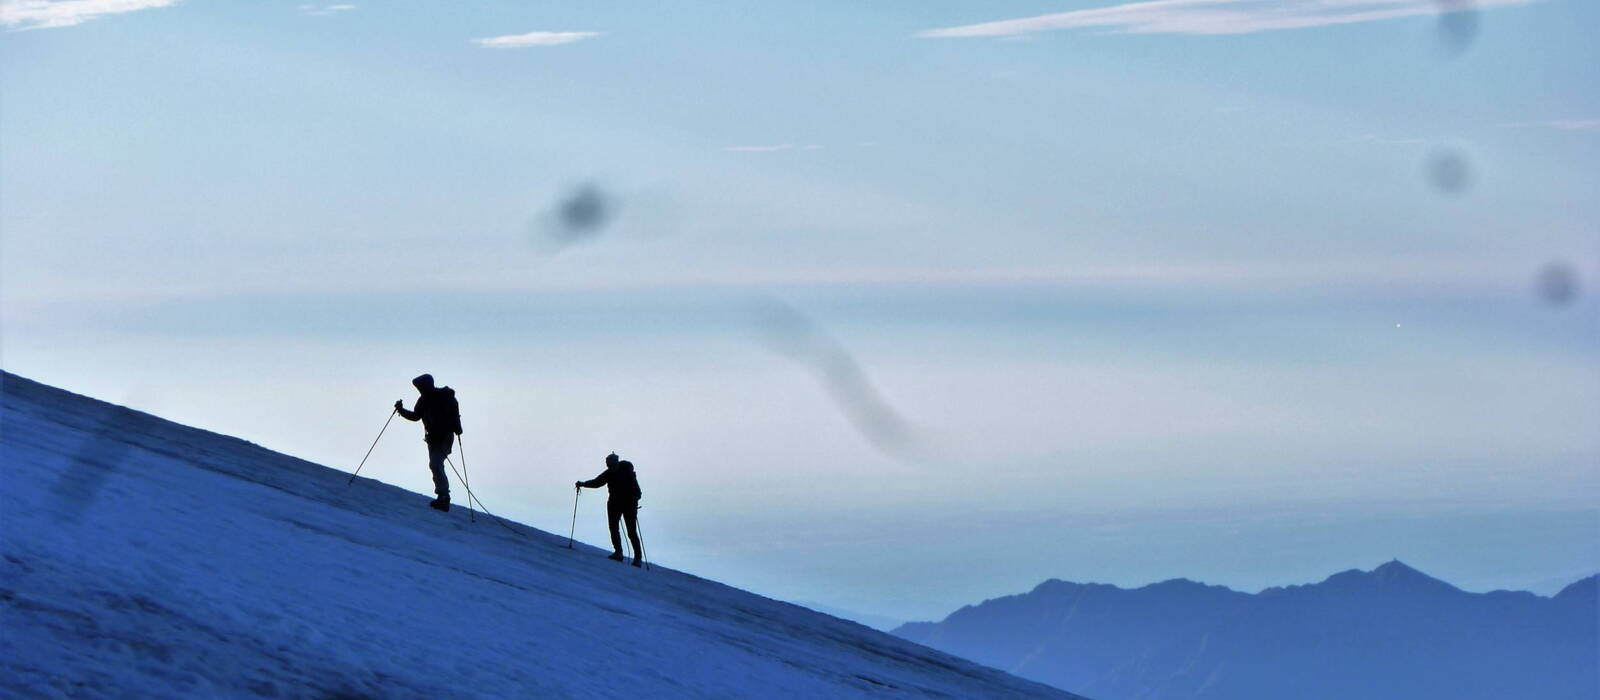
(635, 562)
(615, 556)
(441, 503)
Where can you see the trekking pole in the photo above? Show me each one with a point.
(375, 440)
(638, 526)
(462, 480)
(576, 491)
(464, 483)
(473, 497)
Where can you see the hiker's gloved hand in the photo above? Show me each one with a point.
(398, 405)
(577, 484)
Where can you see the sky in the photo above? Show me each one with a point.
(896, 307)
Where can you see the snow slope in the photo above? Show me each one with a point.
(145, 558)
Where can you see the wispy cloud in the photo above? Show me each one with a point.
(1213, 16)
(521, 41)
(18, 15)
(1561, 124)
(324, 10)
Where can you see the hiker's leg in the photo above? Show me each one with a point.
(436, 454)
(613, 514)
(630, 513)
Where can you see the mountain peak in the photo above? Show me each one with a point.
(1396, 570)
(1055, 586)
(1178, 584)
(1391, 577)
(1585, 588)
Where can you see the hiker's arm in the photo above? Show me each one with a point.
(413, 415)
(598, 481)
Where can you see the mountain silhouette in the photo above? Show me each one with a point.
(1392, 632)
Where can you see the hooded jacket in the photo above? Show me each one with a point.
(622, 485)
(438, 411)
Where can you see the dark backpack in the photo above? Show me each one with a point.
(630, 486)
(449, 407)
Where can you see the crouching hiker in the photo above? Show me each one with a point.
(623, 503)
(441, 423)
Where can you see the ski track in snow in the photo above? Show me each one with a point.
(142, 558)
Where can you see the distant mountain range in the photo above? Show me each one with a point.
(1392, 632)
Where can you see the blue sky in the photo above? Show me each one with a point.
(1158, 289)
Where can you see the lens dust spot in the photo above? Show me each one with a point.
(1449, 171)
(101, 453)
(801, 339)
(579, 215)
(1457, 27)
(1557, 284)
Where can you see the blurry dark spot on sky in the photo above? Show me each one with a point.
(1557, 283)
(1449, 171)
(1457, 26)
(579, 215)
(803, 340)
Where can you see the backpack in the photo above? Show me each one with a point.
(632, 486)
(450, 407)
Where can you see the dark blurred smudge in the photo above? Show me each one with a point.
(1557, 283)
(798, 337)
(579, 215)
(101, 453)
(1449, 171)
(1457, 26)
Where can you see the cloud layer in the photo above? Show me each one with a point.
(521, 41)
(1213, 16)
(1561, 124)
(324, 10)
(19, 15)
(762, 148)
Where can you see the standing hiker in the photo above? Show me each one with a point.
(441, 423)
(623, 503)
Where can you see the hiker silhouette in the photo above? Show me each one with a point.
(622, 486)
(441, 423)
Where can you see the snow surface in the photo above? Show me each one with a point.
(144, 558)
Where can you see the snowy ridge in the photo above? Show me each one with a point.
(144, 558)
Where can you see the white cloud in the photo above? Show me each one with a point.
(324, 10)
(19, 15)
(519, 41)
(1561, 124)
(1212, 16)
